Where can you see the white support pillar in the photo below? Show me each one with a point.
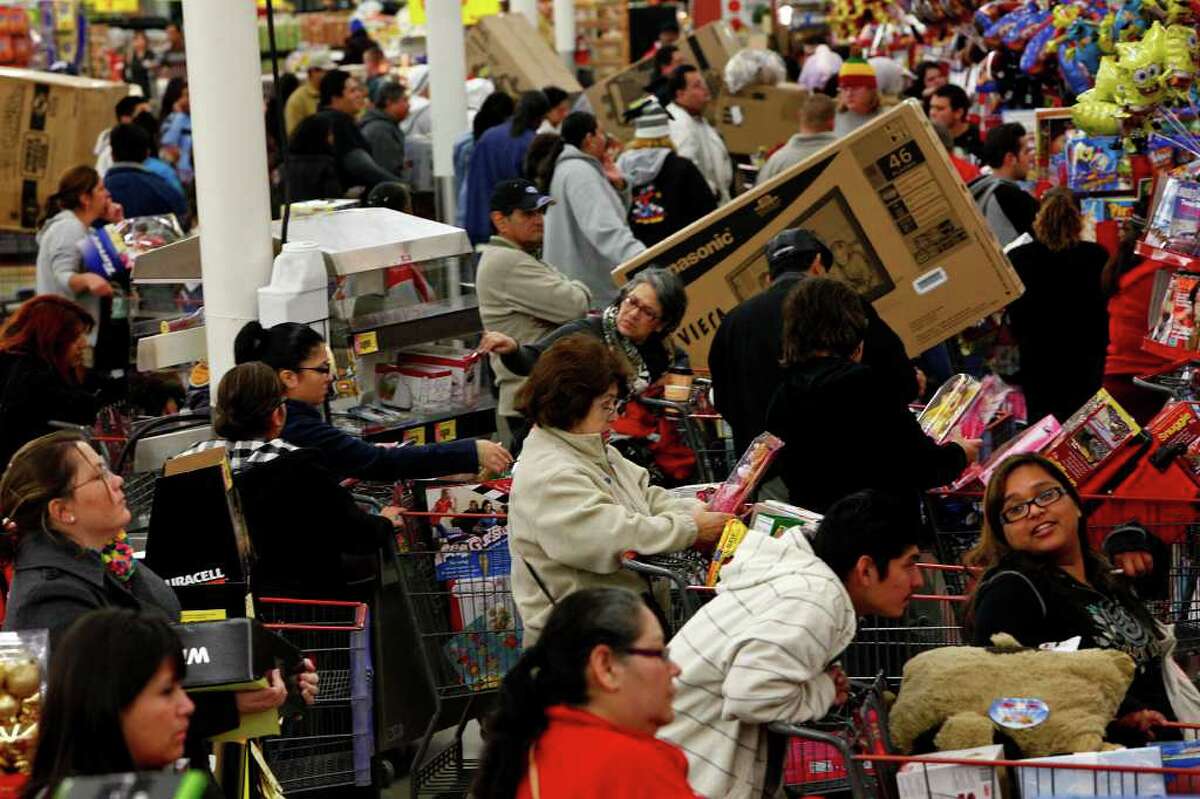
(232, 190)
(564, 31)
(448, 90)
(527, 7)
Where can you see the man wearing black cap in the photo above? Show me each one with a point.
(519, 294)
(745, 355)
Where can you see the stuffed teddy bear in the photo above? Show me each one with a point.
(951, 690)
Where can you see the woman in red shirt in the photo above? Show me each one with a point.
(1129, 282)
(579, 711)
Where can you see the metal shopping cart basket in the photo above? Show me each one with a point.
(676, 580)
(332, 744)
(702, 430)
(466, 636)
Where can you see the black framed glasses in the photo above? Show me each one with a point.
(642, 308)
(1044, 499)
(324, 369)
(661, 654)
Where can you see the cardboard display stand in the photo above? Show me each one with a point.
(902, 228)
(49, 123)
(515, 56)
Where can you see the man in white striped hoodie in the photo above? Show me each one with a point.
(762, 650)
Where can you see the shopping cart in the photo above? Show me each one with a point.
(467, 636)
(701, 428)
(676, 580)
(332, 744)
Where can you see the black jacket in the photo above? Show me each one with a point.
(33, 394)
(745, 352)
(1036, 606)
(312, 177)
(666, 199)
(300, 520)
(659, 356)
(843, 433)
(346, 456)
(1063, 312)
(55, 582)
(356, 164)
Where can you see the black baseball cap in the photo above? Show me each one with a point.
(518, 193)
(793, 251)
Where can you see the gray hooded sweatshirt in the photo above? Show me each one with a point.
(587, 230)
(59, 259)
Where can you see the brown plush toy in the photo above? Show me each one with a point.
(951, 690)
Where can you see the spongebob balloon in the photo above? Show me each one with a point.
(1180, 48)
(1142, 83)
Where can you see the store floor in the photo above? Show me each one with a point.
(472, 746)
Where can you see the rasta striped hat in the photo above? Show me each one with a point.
(856, 72)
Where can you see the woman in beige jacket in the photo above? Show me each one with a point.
(576, 504)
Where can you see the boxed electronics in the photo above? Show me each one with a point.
(464, 366)
(197, 540)
(49, 124)
(901, 226)
(516, 57)
(230, 654)
(413, 386)
(759, 116)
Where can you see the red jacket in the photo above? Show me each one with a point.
(1127, 326)
(582, 756)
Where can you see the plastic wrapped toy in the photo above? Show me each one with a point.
(746, 475)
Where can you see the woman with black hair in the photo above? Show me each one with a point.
(294, 507)
(300, 357)
(1044, 584)
(582, 707)
(312, 162)
(500, 155)
(114, 701)
(587, 228)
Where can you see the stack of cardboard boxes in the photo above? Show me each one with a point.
(508, 50)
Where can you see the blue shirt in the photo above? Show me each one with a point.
(177, 132)
(143, 193)
(164, 171)
(497, 156)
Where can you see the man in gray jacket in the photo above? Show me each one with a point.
(816, 133)
(381, 126)
(519, 294)
(587, 230)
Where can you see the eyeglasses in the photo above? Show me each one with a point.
(613, 407)
(103, 473)
(324, 369)
(663, 654)
(644, 310)
(1044, 499)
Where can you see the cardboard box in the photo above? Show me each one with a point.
(516, 58)
(464, 366)
(197, 540)
(709, 48)
(413, 387)
(924, 780)
(230, 654)
(48, 124)
(759, 116)
(902, 228)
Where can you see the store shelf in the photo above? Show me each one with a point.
(416, 324)
(1163, 351)
(1168, 258)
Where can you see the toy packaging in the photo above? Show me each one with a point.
(1094, 163)
(1090, 437)
(1031, 439)
(771, 517)
(747, 474)
(1176, 324)
(947, 406)
(1175, 222)
(489, 643)
(470, 546)
(919, 780)
(731, 538)
(1036, 782)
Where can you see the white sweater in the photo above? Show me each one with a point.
(756, 654)
(700, 143)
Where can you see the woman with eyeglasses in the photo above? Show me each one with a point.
(307, 531)
(64, 516)
(301, 358)
(577, 505)
(1044, 584)
(582, 708)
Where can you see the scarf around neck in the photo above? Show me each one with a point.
(615, 341)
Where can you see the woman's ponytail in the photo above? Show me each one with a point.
(250, 343)
(73, 185)
(513, 728)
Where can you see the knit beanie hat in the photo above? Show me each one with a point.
(856, 72)
(653, 122)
